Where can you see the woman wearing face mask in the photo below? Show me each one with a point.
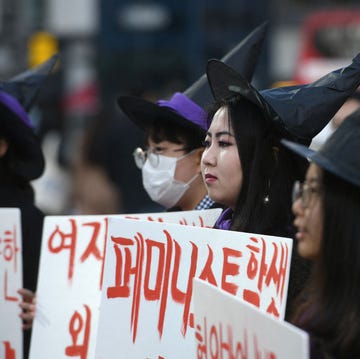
(244, 166)
(175, 130)
(327, 212)
(170, 164)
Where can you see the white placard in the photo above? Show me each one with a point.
(70, 280)
(226, 327)
(146, 310)
(11, 335)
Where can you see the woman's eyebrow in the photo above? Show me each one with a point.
(221, 133)
(312, 180)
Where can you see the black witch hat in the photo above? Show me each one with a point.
(340, 154)
(296, 112)
(187, 108)
(243, 58)
(17, 96)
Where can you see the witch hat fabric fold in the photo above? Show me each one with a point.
(243, 58)
(26, 86)
(16, 98)
(340, 154)
(296, 112)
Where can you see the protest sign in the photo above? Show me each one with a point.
(11, 345)
(226, 327)
(147, 291)
(71, 277)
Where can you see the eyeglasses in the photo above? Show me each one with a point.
(305, 192)
(140, 157)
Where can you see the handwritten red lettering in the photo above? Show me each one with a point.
(154, 293)
(178, 295)
(251, 297)
(207, 273)
(278, 275)
(271, 309)
(10, 247)
(262, 353)
(76, 326)
(230, 269)
(137, 283)
(7, 296)
(66, 240)
(217, 342)
(57, 243)
(266, 274)
(92, 248)
(156, 270)
(10, 353)
(164, 295)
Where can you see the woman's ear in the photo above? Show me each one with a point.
(4, 145)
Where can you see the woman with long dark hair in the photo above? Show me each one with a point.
(243, 165)
(327, 212)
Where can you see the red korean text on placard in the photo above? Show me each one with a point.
(79, 330)
(219, 341)
(61, 240)
(163, 259)
(9, 252)
(9, 248)
(265, 273)
(10, 353)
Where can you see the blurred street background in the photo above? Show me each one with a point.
(148, 48)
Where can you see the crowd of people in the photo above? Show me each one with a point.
(224, 143)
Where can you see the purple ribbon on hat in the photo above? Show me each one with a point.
(13, 105)
(186, 108)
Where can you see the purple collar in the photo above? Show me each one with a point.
(225, 220)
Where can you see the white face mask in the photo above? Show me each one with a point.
(159, 181)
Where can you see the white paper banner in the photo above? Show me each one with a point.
(146, 311)
(70, 280)
(227, 327)
(11, 334)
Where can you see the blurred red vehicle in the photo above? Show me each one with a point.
(329, 40)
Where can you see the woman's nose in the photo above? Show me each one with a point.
(207, 157)
(297, 207)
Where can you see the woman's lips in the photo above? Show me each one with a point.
(209, 178)
(299, 235)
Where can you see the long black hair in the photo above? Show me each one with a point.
(269, 171)
(329, 308)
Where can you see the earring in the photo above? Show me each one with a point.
(266, 199)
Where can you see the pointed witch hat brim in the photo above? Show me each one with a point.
(296, 112)
(340, 154)
(186, 109)
(26, 86)
(179, 110)
(16, 97)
